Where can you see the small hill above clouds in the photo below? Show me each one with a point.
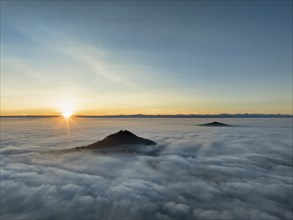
(122, 137)
(215, 124)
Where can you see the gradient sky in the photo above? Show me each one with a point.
(151, 57)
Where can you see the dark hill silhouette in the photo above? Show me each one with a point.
(215, 124)
(122, 137)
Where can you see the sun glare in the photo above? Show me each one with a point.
(66, 107)
(67, 114)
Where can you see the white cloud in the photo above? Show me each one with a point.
(199, 174)
(71, 50)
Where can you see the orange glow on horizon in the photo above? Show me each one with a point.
(69, 112)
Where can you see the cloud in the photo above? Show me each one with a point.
(71, 50)
(93, 60)
(214, 173)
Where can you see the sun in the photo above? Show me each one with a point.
(67, 114)
(67, 107)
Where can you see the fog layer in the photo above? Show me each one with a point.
(238, 172)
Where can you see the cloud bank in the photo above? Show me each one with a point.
(199, 173)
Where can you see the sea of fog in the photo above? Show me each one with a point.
(239, 172)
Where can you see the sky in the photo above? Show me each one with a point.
(130, 57)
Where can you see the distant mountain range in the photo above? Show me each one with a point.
(244, 115)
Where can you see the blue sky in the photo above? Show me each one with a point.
(146, 57)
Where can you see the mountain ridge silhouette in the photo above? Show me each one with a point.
(123, 137)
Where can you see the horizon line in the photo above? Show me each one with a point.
(221, 115)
